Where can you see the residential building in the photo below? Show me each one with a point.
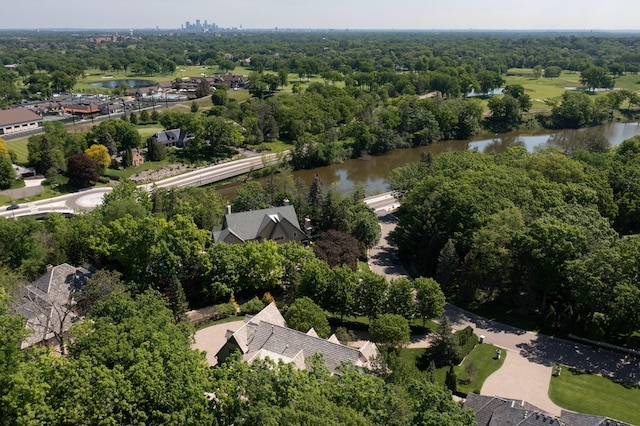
(174, 138)
(279, 224)
(496, 411)
(47, 303)
(17, 120)
(266, 335)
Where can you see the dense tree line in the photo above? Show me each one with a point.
(51, 62)
(539, 232)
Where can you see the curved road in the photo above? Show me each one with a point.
(92, 197)
(530, 357)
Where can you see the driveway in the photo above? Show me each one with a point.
(212, 339)
(530, 357)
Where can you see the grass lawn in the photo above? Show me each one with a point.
(593, 394)
(147, 130)
(473, 371)
(552, 88)
(220, 321)
(19, 146)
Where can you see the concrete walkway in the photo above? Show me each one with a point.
(530, 357)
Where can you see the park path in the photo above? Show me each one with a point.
(530, 357)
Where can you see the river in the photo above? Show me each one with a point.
(371, 172)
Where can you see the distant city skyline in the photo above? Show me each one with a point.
(328, 14)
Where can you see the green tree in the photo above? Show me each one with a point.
(574, 111)
(303, 315)
(596, 77)
(430, 299)
(400, 298)
(362, 223)
(220, 97)
(390, 330)
(7, 172)
(371, 294)
(451, 380)
(444, 348)
(250, 196)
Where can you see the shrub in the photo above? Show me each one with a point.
(252, 307)
(225, 310)
(469, 343)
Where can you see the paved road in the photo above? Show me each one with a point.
(92, 197)
(530, 357)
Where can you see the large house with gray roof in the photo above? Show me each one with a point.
(47, 303)
(279, 224)
(266, 335)
(18, 120)
(496, 411)
(174, 138)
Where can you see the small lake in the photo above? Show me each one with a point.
(372, 172)
(134, 83)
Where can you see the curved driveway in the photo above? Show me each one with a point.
(530, 357)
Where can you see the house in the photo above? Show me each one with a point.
(279, 224)
(17, 120)
(174, 137)
(46, 304)
(266, 335)
(496, 411)
(137, 159)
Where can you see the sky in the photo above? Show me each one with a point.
(328, 14)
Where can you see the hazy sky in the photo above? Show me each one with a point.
(335, 14)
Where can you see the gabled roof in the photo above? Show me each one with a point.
(47, 299)
(496, 411)
(579, 419)
(262, 223)
(15, 116)
(290, 343)
(172, 135)
(266, 334)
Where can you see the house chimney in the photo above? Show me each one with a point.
(227, 209)
(285, 202)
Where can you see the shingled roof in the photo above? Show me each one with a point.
(266, 335)
(496, 411)
(46, 301)
(15, 116)
(260, 224)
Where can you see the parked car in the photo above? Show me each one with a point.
(13, 207)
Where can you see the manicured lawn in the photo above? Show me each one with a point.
(552, 88)
(593, 394)
(147, 130)
(473, 371)
(19, 146)
(221, 321)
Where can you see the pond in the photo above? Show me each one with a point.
(133, 83)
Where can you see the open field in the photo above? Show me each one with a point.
(593, 394)
(552, 88)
